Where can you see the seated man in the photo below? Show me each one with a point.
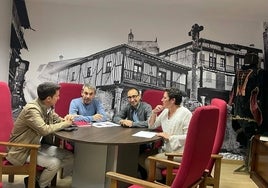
(35, 121)
(87, 107)
(136, 113)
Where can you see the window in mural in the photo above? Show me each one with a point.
(222, 63)
(137, 72)
(89, 72)
(73, 76)
(162, 79)
(108, 67)
(229, 80)
(238, 63)
(212, 61)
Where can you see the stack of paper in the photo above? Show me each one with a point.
(145, 134)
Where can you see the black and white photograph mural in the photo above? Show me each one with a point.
(196, 46)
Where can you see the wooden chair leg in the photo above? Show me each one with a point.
(54, 181)
(11, 178)
(61, 173)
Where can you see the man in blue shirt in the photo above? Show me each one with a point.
(87, 107)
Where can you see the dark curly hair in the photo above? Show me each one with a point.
(176, 94)
(47, 89)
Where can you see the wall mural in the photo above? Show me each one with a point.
(200, 63)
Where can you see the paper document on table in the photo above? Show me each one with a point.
(105, 124)
(264, 138)
(145, 134)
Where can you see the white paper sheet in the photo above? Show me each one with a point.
(145, 134)
(264, 138)
(105, 124)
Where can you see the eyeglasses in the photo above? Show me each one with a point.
(133, 96)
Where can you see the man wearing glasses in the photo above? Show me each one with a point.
(135, 113)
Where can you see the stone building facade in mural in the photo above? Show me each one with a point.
(135, 64)
(216, 65)
(116, 69)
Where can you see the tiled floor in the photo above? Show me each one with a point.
(61, 183)
(228, 179)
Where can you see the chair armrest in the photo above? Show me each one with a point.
(170, 156)
(174, 154)
(31, 146)
(2, 155)
(169, 166)
(216, 156)
(115, 177)
(33, 150)
(165, 162)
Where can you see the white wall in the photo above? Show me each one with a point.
(79, 28)
(5, 32)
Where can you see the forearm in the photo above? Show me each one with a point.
(83, 118)
(140, 124)
(104, 115)
(117, 119)
(120, 116)
(152, 119)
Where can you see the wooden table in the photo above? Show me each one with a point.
(98, 150)
(259, 162)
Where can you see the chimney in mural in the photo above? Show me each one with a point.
(144, 45)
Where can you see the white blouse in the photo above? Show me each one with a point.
(176, 127)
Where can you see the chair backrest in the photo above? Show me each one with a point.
(222, 105)
(152, 97)
(198, 146)
(6, 124)
(68, 91)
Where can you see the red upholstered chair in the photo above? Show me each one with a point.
(197, 153)
(6, 126)
(213, 177)
(214, 165)
(154, 97)
(68, 91)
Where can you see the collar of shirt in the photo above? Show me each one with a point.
(135, 108)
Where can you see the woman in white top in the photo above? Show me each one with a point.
(174, 119)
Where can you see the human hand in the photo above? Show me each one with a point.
(158, 109)
(126, 122)
(97, 117)
(163, 135)
(70, 117)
